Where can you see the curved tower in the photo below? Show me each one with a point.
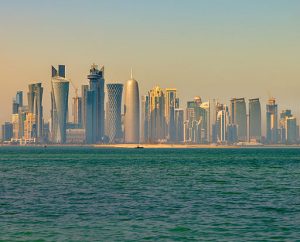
(132, 112)
(113, 112)
(60, 95)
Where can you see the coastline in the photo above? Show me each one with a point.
(155, 146)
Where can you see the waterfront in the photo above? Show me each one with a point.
(82, 193)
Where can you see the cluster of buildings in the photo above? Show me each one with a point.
(114, 113)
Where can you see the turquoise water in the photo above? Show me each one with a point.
(85, 194)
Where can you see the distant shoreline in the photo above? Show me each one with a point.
(156, 146)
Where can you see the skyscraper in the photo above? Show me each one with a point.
(96, 79)
(84, 89)
(239, 117)
(7, 131)
(113, 112)
(157, 123)
(59, 107)
(35, 99)
(77, 111)
(145, 119)
(179, 125)
(222, 124)
(291, 130)
(17, 102)
(272, 122)
(196, 117)
(170, 105)
(254, 119)
(132, 112)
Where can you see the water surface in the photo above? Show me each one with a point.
(89, 194)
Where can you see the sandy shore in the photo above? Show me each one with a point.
(162, 146)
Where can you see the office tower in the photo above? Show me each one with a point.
(132, 112)
(222, 123)
(291, 130)
(170, 105)
(254, 119)
(271, 122)
(15, 123)
(35, 99)
(179, 125)
(239, 117)
(15, 107)
(59, 104)
(113, 112)
(196, 117)
(22, 117)
(232, 130)
(96, 81)
(17, 102)
(7, 131)
(19, 98)
(30, 128)
(90, 118)
(282, 125)
(157, 121)
(84, 89)
(145, 119)
(77, 111)
(60, 71)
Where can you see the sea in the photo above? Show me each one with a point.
(117, 194)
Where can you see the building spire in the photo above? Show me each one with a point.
(131, 73)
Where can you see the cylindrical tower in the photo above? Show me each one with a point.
(132, 112)
(113, 112)
(60, 94)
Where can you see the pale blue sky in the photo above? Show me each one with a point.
(214, 48)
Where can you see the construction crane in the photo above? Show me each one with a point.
(75, 88)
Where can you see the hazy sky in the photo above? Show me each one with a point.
(214, 48)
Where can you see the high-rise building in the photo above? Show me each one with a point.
(59, 104)
(272, 122)
(239, 117)
(30, 127)
(196, 117)
(222, 124)
(171, 103)
(17, 102)
(132, 112)
(96, 105)
(145, 119)
(35, 99)
(179, 125)
(254, 119)
(282, 135)
(84, 89)
(157, 123)
(113, 112)
(77, 111)
(291, 130)
(15, 124)
(7, 131)
(22, 117)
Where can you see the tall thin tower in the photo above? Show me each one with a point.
(132, 112)
(96, 99)
(113, 112)
(59, 98)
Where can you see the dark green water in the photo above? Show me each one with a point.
(80, 194)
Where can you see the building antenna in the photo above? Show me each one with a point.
(131, 73)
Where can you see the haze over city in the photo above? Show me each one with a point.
(212, 49)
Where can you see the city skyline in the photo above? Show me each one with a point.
(221, 49)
